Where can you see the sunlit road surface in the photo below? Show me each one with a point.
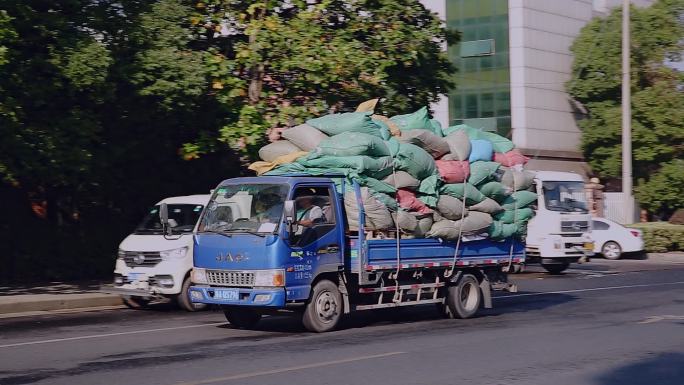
(605, 323)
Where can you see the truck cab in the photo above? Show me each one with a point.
(560, 232)
(154, 262)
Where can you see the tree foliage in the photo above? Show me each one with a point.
(657, 96)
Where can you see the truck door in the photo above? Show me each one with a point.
(315, 243)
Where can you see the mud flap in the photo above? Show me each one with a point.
(486, 293)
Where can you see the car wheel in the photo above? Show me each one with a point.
(611, 250)
(556, 268)
(183, 298)
(241, 317)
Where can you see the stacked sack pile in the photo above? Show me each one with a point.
(415, 176)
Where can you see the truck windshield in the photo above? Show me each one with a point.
(255, 208)
(565, 196)
(182, 219)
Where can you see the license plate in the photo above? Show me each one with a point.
(135, 276)
(226, 294)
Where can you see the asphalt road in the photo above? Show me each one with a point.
(607, 323)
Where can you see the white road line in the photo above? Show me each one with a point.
(110, 335)
(290, 369)
(658, 318)
(591, 289)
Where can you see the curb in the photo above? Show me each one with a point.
(45, 302)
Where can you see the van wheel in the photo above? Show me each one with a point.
(556, 268)
(183, 298)
(241, 317)
(324, 310)
(464, 298)
(137, 303)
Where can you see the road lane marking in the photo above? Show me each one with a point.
(591, 289)
(659, 318)
(109, 335)
(289, 369)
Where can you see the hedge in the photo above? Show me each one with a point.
(660, 237)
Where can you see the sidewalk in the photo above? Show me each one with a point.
(54, 296)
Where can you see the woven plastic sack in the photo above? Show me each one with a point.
(519, 199)
(274, 150)
(471, 132)
(511, 158)
(375, 185)
(517, 180)
(457, 190)
(459, 146)
(304, 136)
(377, 168)
(495, 190)
(378, 217)
(482, 171)
(511, 216)
(296, 168)
(429, 190)
(402, 179)
(451, 208)
(436, 127)
(424, 225)
(418, 120)
(426, 140)
(407, 223)
(474, 223)
(408, 201)
(489, 206)
(385, 132)
(499, 230)
(453, 171)
(480, 149)
(393, 128)
(352, 143)
(499, 143)
(415, 161)
(335, 124)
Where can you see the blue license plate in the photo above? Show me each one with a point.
(227, 294)
(135, 276)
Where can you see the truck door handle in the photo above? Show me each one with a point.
(332, 249)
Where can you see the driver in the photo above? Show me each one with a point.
(269, 208)
(308, 212)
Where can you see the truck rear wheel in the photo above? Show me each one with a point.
(556, 268)
(241, 317)
(324, 310)
(183, 298)
(464, 298)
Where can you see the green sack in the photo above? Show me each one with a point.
(499, 143)
(376, 185)
(436, 127)
(418, 120)
(494, 190)
(481, 171)
(335, 124)
(296, 168)
(377, 168)
(415, 161)
(472, 132)
(519, 199)
(511, 216)
(385, 132)
(352, 143)
(429, 188)
(499, 230)
(457, 190)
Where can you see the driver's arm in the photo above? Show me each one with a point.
(314, 213)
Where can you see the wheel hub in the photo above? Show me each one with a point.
(326, 307)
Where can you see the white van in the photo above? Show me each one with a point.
(152, 264)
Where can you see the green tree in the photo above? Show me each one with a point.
(657, 97)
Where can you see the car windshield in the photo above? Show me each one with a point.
(565, 196)
(255, 208)
(182, 219)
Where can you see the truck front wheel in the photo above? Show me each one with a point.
(241, 317)
(324, 310)
(556, 268)
(464, 298)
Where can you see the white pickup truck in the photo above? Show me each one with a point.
(152, 264)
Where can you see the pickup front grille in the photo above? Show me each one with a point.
(141, 258)
(230, 278)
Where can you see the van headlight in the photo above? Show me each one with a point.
(269, 278)
(178, 253)
(199, 276)
(121, 254)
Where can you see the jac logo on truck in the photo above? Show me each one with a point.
(228, 257)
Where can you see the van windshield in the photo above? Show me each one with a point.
(182, 219)
(251, 208)
(565, 196)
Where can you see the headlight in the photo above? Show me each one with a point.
(269, 278)
(178, 253)
(199, 276)
(121, 253)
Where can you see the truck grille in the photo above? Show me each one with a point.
(574, 226)
(230, 278)
(141, 258)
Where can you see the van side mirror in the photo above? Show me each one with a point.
(164, 218)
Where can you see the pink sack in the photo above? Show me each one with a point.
(408, 201)
(510, 158)
(453, 171)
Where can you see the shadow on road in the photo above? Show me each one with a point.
(663, 369)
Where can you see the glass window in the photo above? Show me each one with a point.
(487, 105)
(315, 215)
(471, 108)
(182, 219)
(599, 225)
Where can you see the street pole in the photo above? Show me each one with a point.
(626, 116)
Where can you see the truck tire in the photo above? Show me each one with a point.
(183, 298)
(465, 297)
(324, 310)
(241, 317)
(555, 268)
(134, 302)
(611, 250)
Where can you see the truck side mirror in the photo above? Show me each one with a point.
(164, 217)
(289, 214)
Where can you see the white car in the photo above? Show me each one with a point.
(152, 264)
(612, 239)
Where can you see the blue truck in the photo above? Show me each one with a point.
(283, 244)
